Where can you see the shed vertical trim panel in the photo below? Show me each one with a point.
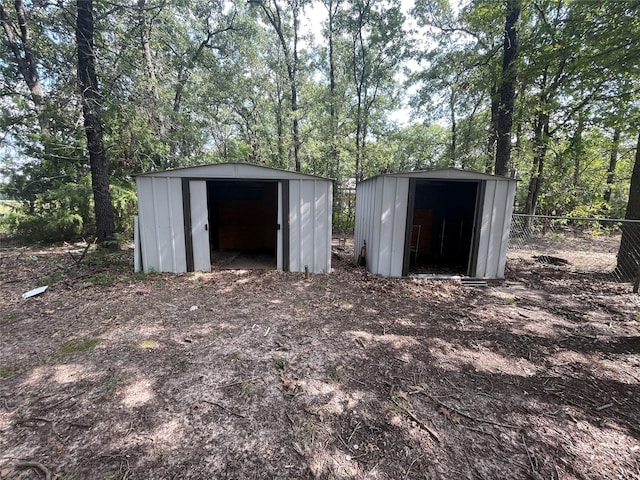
(146, 222)
(200, 226)
(509, 195)
(310, 225)
(497, 210)
(366, 223)
(295, 225)
(399, 226)
(279, 231)
(391, 210)
(485, 229)
(377, 226)
(161, 224)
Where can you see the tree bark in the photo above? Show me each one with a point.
(613, 162)
(629, 251)
(91, 109)
(274, 15)
(507, 88)
(541, 133)
(332, 8)
(492, 136)
(454, 127)
(19, 40)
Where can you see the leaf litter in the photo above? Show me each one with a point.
(108, 374)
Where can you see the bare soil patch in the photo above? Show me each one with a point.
(264, 374)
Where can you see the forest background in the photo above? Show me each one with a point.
(367, 87)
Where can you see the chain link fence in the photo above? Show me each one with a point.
(585, 245)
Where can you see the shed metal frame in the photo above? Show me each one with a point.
(384, 216)
(166, 216)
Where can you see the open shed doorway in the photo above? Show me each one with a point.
(441, 225)
(243, 220)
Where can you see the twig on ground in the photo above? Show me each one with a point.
(534, 473)
(240, 382)
(34, 420)
(64, 400)
(78, 260)
(36, 465)
(224, 408)
(406, 475)
(420, 423)
(355, 429)
(470, 417)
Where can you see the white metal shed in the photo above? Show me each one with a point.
(188, 216)
(444, 221)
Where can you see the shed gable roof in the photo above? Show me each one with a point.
(446, 173)
(233, 170)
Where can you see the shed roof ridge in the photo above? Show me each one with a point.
(240, 164)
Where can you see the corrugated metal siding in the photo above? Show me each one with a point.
(161, 224)
(381, 219)
(365, 220)
(494, 230)
(310, 225)
(393, 221)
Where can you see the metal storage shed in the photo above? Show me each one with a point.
(188, 217)
(444, 221)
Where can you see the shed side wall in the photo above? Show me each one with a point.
(381, 219)
(365, 221)
(494, 230)
(161, 224)
(393, 223)
(310, 225)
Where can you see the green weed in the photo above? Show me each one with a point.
(336, 376)
(5, 372)
(280, 363)
(80, 345)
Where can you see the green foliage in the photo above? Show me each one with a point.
(280, 363)
(214, 86)
(79, 345)
(343, 221)
(5, 372)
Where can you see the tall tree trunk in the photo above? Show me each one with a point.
(290, 53)
(91, 109)
(454, 128)
(332, 8)
(613, 162)
(149, 66)
(507, 88)
(629, 252)
(541, 133)
(577, 151)
(293, 78)
(492, 136)
(19, 40)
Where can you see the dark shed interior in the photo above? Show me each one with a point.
(442, 227)
(243, 217)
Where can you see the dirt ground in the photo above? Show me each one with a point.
(254, 374)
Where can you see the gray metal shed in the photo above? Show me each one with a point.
(444, 221)
(187, 216)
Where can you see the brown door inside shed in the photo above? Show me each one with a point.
(442, 227)
(243, 217)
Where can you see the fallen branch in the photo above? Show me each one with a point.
(470, 417)
(78, 260)
(38, 466)
(534, 473)
(224, 408)
(420, 423)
